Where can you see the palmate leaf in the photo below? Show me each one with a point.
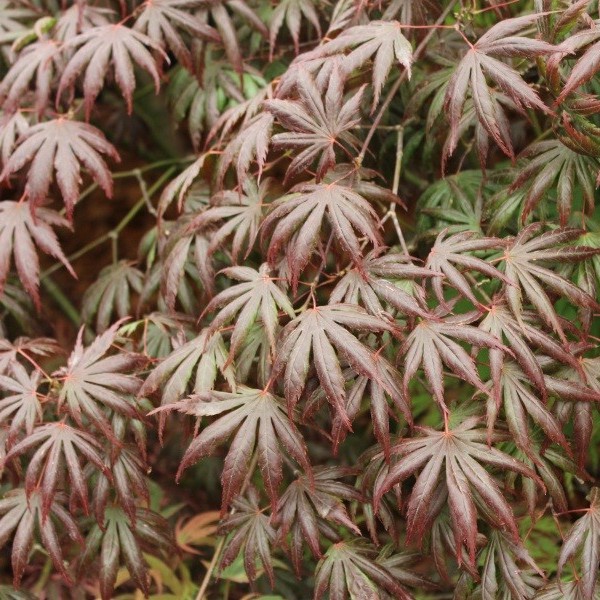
(250, 532)
(20, 233)
(185, 260)
(23, 514)
(11, 20)
(24, 348)
(111, 292)
(256, 297)
(529, 278)
(295, 221)
(205, 355)
(520, 337)
(311, 507)
(239, 216)
(448, 253)
(78, 18)
(584, 539)
(120, 540)
(377, 391)
(225, 24)
(58, 448)
(60, 146)
(501, 41)
(520, 402)
(259, 420)
(586, 66)
(37, 64)
(164, 20)
(454, 456)
(12, 127)
(291, 12)
(551, 165)
(432, 343)
(381, 41)
(382, 279)
(21, 407)
(352, 569)
(93, 385)
(99, 47)
(322, 332)
(316, 125)
(566, 590)
(506, 571)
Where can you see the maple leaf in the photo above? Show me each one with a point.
(519, 403)
(295, 220)
(226, 28)
(93, 384)
(241, 215)
(449, 252)
(584, 537)
(351, 569)
(37, 63)
(111, 292)
(388, 383)
(206, 355)
(21, 407)
(567, 590)
(250, 532)
(381, 41)
(186, 259)
(503, 41)
(20, 233)
(528, 276)
(257, 297)
(321, 331)
(552, 164)
(80, 17)
(61, 145)
(58, 446)
(507, 569)
(520, 337)
(99, 47)
(260, 420)
(23, 514)
(292, 11)
(312, 506)
(586, 66)
(162, 21)
(433, 343)
(381, 280)
(119, 537)
(316, 125)
(460, 450)
(12, 127)
(23, 347)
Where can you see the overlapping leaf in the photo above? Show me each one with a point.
(295, 222)
(100, 47)
(20, 233)
(455, 457)
(61, 146)
(322, 332)
(22, 515)
(256, 297)
(529, 277)
(260, 422)
(501, 41)
(94, 385)
(316, 125)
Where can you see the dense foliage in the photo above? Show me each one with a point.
(335, 328)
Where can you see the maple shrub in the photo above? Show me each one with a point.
(300, 299)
